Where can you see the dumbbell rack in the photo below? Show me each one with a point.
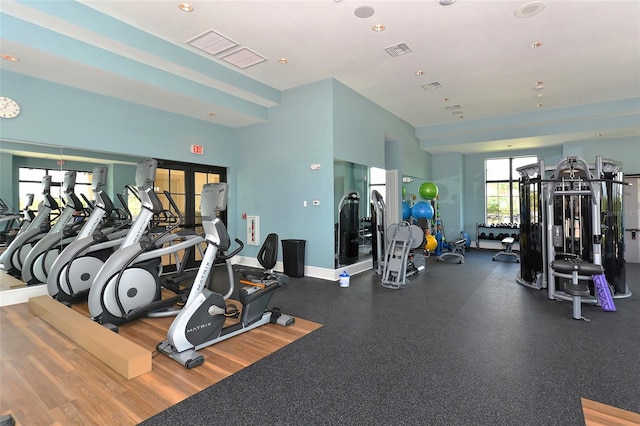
(490, 237)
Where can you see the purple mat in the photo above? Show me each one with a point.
(603, 292)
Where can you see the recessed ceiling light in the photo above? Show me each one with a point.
(535, 45)
(420, 72)
(539, 105)
(530, 9)
(447, 2)
(445, 99)
(185, 7)
(600, 135)
(364, 12)
(378, 27)
(9, 57)
(283, 60)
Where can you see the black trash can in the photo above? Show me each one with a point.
(293, 257)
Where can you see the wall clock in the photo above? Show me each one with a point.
(8, 108)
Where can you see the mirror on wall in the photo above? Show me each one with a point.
(23, 165)
(352, 216)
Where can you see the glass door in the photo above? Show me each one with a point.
(184, 182)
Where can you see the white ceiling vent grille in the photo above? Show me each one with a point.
(212, 42)
(243, 58)
(453, 107)
(397, 50)
(432, 86)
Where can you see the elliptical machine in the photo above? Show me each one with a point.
(75, 269)
(200, 323)
(128, 286)
(37, 263)
(13, 257)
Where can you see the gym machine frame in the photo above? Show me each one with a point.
(571, 211)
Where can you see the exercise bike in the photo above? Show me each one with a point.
(200, 323)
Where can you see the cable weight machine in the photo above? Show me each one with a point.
(572, 211)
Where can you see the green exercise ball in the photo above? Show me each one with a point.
(428, 190)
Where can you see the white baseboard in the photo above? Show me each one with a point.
(22, 294)
(309, 271)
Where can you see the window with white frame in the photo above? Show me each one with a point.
(502, 189)
(30, 182)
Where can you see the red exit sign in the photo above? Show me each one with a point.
(197, 149)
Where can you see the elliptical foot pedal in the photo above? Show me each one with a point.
(277, 317)
(112, 327)
(192, 363)
(286, 320)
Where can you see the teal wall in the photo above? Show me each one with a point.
(626, 151)
(78, 119)
(274, 177)
(365, 133)
(7, 189)
(361, 129)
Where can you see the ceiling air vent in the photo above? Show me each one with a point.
(243, 58)
(432, 86)
(212, 42)
(453, 107)
(397, 50)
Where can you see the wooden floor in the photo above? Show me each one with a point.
(7, 282)
(48, 380)
(597, 414)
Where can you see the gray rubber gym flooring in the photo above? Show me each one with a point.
(459, 345)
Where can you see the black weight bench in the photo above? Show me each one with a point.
(576, 270)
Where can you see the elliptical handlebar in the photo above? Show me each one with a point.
(233, 253)
(125, 207)
(173, 204)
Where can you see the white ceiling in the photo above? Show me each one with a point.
(479, 51)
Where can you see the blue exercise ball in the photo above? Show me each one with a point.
(406, 211)
(466, 236)
(422, 209)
